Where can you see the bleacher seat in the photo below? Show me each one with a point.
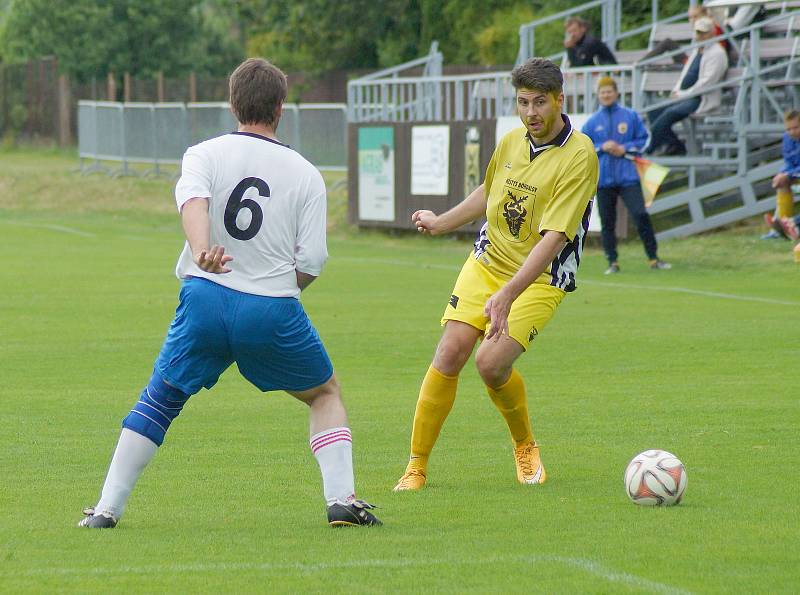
(633, 56)
(659, 81)
(675, 31)
(629, 56)
(771, 49)
(782, 6)
(785, 28)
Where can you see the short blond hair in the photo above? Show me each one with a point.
(606, 81)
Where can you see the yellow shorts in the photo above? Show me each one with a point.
(530, 312)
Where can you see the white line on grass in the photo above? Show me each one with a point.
(51, 227)
(715, 294)
(588, 566)
(698, 292)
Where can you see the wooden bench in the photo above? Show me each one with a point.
(771, 49)
(634, 56)
(787, 27)
(674, 31)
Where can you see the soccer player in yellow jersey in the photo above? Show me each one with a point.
(536, 198)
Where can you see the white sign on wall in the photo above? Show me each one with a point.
(430, 160)
(506, 124)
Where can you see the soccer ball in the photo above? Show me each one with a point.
(655, 478)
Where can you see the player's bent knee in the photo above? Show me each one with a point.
(157, 406)
(491, 373)
(450, 358)
(328, 390)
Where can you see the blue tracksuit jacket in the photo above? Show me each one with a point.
(791, 156)
(625, 127)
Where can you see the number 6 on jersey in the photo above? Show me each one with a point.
(236, 203)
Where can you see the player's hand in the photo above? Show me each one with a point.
(425, 221)
(496, 310)
(613, 148)
(780, 179)
(213, 260)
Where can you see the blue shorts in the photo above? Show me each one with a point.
(271, 340)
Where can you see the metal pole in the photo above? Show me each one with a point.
(755, 90)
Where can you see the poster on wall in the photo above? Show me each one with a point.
(430, 160)
(376, 174)
(472, 159)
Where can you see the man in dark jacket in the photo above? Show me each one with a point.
(582, 48)
(615, 132)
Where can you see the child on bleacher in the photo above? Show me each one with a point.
(782, 222)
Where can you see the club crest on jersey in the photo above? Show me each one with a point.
(622, 127)
(514, 212)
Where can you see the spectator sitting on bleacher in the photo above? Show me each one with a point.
(706, 66)
(582, 48)
(615, 132)
(745, 15)
(667, 45)
(782, 220)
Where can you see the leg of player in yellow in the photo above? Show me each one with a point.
(436, 397)
(506, 388)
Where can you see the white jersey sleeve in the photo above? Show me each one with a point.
(311, 251)
(266, 207)
(196, 176)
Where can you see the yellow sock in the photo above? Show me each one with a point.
(436, 397)
(511, 400)
(785, 202)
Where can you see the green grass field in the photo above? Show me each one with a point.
(700, 360)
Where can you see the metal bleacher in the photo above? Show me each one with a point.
(733, 152)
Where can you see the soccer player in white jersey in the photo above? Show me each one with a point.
(254, 215)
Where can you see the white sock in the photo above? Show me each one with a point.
(133, 453)
(333, 449)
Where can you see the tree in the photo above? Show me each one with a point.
(80, 34)
(319, 35)
(142, 37)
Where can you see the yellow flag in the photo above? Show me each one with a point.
(651, 176)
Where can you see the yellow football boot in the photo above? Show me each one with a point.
(529, 465)
(413, 479)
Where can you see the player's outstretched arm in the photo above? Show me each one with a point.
(499, 305)
(194, 217)
(471, 208)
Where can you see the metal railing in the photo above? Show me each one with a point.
(157, 134)
(738, 138)
(375, 95)
(489, 95)
(611, 25)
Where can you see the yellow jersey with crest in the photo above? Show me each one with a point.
(533, 189)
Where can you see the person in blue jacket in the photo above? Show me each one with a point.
(783, 180)
(615, 132)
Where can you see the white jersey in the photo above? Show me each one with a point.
(267, 207)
